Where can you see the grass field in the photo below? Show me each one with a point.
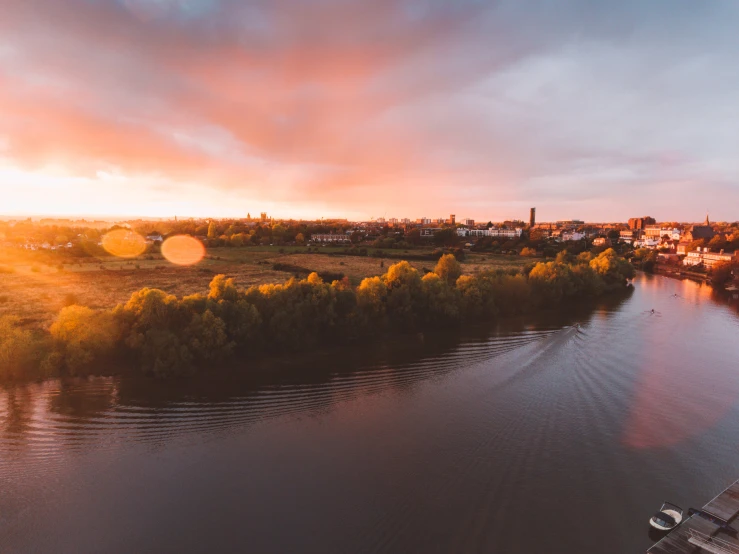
(35, 291)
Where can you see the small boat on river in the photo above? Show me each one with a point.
(668, 517)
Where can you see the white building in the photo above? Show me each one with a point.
(500, 233)
(648, 242)
(330, 238)
(655, 231)
(572, 235)
(706, 257)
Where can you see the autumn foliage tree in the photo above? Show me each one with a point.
(164, 335)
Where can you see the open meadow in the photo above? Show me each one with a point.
(35, 287)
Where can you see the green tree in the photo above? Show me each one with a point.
(413, 237)
(212, 230)
(446, 237)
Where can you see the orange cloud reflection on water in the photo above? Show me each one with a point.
(183, 250)
(682, 391)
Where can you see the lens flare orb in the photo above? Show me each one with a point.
(124, 243)
(183, 250)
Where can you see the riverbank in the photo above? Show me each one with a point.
(163, 335)
(679, 272)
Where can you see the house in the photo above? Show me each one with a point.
(628, 236)
(601, 241)
(154, 237)
(682, 247)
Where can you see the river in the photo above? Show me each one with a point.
(533, 436)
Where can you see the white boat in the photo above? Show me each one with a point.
(668, 517)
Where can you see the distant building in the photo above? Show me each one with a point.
(640, 223)
(697, 232)
(570, 223)
(263, 217)
(707, 258)
(655, 231)
(601, 241)
(682, 247)
(429, 231)
(425, 220)
(492, 232)
(532, 218)
(648, 242)
(393, 221)
(330, 238)
(469, 222)
(572, 235)
(628, 236)
(405, 221)
(452, 219)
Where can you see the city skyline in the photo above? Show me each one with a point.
(348, 108)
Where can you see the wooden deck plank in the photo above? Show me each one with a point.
(726, 504)
(676, 542)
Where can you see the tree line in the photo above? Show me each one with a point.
(159, 334)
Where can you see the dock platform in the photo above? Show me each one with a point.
(696, 534)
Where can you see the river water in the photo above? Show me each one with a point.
(534, 436)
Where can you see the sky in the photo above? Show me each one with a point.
(370, 108)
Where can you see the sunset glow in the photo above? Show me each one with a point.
(217, 108)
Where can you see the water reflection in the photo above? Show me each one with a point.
(682, 389)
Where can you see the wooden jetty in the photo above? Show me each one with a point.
(697, 534)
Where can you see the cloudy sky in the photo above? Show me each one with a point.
(364, 108)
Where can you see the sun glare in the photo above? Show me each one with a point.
(124, 243)
(183, 250)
